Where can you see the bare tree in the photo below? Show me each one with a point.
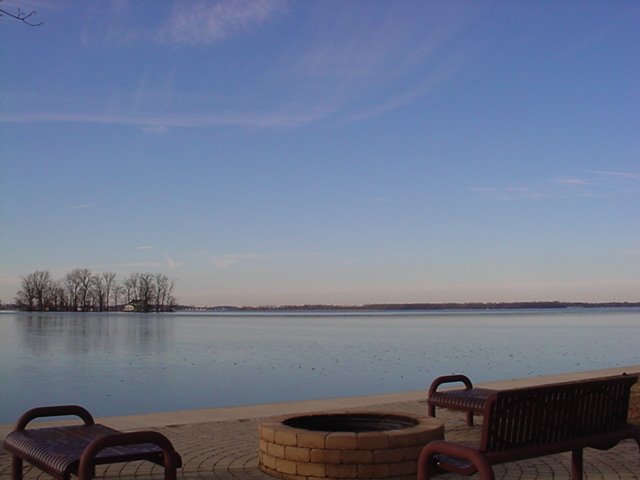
(170, 300)
(71, 287)
(36, 291)
(99, 291)
(117, 291)
(59, 297)
(25, 298)
(109, 279)
(21, 16)
(130, 285)
(78, 284)
(85, 279)
(161, 291)
(145, 291)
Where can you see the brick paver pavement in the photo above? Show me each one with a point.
(227, 450)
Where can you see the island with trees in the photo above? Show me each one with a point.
(82, 290)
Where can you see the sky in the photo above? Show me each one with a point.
(274, 152)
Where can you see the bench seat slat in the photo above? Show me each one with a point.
(57, 450)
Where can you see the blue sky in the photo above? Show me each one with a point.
(285, 152)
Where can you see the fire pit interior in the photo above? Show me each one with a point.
(356, 422)
(345, 445)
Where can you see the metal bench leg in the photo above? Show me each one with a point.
(170, 472)
(16, 467)
(470, 418)
(576, 464)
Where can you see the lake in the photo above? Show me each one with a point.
(120, 364)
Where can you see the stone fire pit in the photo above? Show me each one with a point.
(345, 445)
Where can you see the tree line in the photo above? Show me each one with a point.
(81, 290)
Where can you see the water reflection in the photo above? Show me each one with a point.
(117, 364)
(83, 333)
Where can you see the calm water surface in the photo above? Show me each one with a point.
(118, 364)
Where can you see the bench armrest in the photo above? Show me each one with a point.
(54, 411)
(170, 457)
(450, 379)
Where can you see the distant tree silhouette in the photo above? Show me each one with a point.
(36, 292)
(81, 290)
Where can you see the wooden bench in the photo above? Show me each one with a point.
(533, 422)
(77, 449)
(469, 399)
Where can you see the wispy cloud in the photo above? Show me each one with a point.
(109, 22)
(428, 83)
(145, 247)
(140, 265)
(170, 262)
(383, 200)
(308, 254)
(276, 119)
(359, 64)
(26, 6)
(509, 192)
(571, 181)
(597, 184)
(205, 22)
(82, 206)
(629, 175)
(370, 61)
(155, 129)
(224, 261)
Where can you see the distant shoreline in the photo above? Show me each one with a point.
(377, 307)
(392, 307)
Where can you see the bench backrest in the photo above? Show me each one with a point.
(550, 414)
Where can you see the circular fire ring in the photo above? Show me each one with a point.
(364, 445)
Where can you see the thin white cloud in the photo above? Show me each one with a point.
(26, 7)
(140, 265)
(111, 22)
(224, 261)
(509, 193)
(25, 4)
(630, 175)
(383, 200)
(201, 22)
(348, 67)
(571, 181)
(170, 262)
(82, 206)
(155, 129)
(308, 254)
(276, 119)
(369, 61)
(597, 184)
(144, 247)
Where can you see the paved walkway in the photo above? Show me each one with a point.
(225, 446)
(227, 450)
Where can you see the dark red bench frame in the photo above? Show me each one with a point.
(537, 421)
(77, 449)
(469, 399)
